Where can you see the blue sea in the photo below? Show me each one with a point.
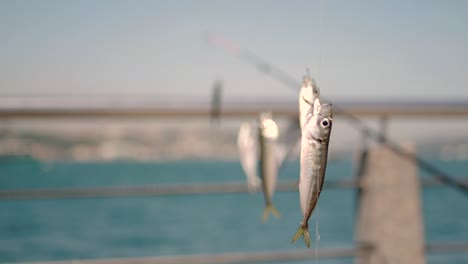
(67, 229)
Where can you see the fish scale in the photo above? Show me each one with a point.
(269, 167)
(309, 166)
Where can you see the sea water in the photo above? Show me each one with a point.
(66, 229)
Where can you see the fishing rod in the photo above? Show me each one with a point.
(291, 82)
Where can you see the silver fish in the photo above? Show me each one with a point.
(247, 144)
(309, 92)
(268, 133)
(314, 155)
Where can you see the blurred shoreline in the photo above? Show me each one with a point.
(106, 142)
(112, 144)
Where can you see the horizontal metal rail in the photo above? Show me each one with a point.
(265, 256)
(447, 248)
(269, 256)
(228, 112)
(167, 189)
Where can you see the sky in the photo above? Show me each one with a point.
(356, 50)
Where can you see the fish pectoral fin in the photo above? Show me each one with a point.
(270, 209)
(302, 231)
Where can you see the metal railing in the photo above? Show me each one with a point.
(24, 110)
(171, 189)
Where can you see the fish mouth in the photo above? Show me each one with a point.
(307, 81)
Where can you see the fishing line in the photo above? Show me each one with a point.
(368, 132)
(320, 41)
(317, 235)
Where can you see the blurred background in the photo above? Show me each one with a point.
(119, 122)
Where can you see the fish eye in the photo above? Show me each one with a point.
(325, 123)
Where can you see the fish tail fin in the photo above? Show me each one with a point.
(270, 209)
(302, 231)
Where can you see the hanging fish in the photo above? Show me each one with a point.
(269, 164)
(248, 154)
(286, 146)
(314, 155)
(309, 92)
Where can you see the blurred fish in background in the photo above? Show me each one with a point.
(268, 134)
(264, 150)
(248, 154)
